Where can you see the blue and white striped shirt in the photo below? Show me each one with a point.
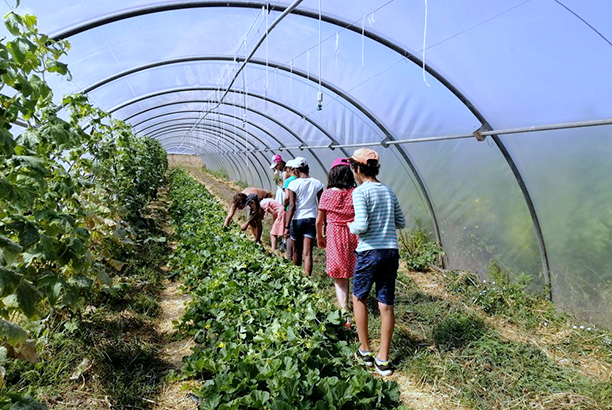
(377, 216)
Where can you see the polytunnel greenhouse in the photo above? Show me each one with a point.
(492, 118)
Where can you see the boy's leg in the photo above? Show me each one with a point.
(362, 283)
(360, 309)
(258, 230)
(386, 276)
(387, 317)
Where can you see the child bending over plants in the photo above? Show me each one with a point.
(275, 209)
(249, 197)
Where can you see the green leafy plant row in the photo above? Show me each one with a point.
(73, 184)
(266, 337)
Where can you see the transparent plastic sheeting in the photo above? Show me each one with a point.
(510, 63)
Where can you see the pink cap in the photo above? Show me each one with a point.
(340, 161)
(276, 160)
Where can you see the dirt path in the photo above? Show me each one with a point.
(174, 395)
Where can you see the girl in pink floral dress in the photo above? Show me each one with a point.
(335, 210)
(275, 209)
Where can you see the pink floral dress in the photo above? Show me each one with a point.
(341, 244)
(276, 209)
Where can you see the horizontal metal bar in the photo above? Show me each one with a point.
(508, 131)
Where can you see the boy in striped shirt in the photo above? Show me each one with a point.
(377, 216)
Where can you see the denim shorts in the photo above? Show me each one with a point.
(300, 228)
(379, 267)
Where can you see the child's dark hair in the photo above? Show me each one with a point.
(305, 169)
(240, 200)
(369, 170)
(341, 177)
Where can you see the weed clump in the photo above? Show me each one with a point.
(458, 331)
(417, 250)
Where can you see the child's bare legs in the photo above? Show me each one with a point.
(387, 317)
(360, 309)
(298, 245)
(256, 229)
(290, 250)
(308, 243)
(342, 286)
(273, 240)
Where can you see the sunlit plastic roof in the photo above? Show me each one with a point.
(537, 202)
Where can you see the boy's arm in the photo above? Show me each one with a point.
(360, 224)
(400, 219)
(254, 216)
(230, 215)
(321, 215)
(290, 212)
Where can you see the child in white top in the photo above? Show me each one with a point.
(304, 193)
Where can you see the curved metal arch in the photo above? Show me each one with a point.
(195, 151)
(231, 136)
(267, 117)
(236, 135)
(211, 158)
(186, 148)
(227, 142)
(226, 58)
(275, 102)
(179, 146)
(377, 38)
(252, 124)
(315, 80)
(218, 122)
(214, 133)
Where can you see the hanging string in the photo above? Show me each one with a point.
(363, 41)
(320, 93)
(291, 77)
(371, 19)
(276, 80)
(308, 64)
(244, 118)
(320, 55)
(337, 50)
(266, 10)
(424, 43)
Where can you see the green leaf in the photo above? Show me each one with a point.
(27, 297)
(8, 281)
(8, 245)
(104, 278)
(30, 138)
(30, 20)
(51, 285)
(27, 403)
(13, 23)
(13, 334)
(7, 143)
(55, 66)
